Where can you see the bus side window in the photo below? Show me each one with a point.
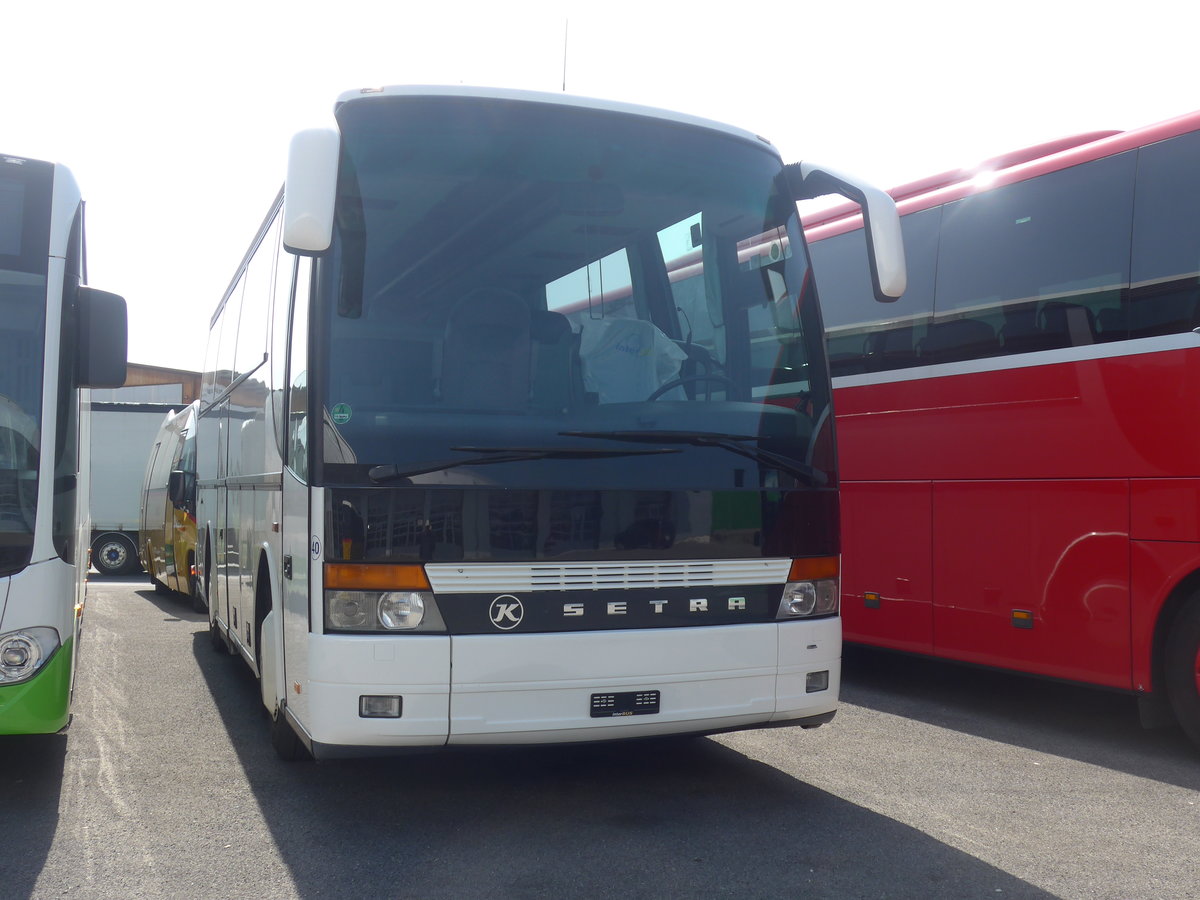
(1166, 244)
(285, 272)
(1036, 261)
(861, 334)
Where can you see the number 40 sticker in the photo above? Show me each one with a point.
(314, 547)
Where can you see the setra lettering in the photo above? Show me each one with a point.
(658, 607)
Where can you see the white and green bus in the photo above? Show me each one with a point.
(56, 337)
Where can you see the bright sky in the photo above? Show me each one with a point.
(175, 118)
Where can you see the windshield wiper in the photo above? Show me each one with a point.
(734, 443)
(490, 455)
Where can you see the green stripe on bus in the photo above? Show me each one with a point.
(40, 705)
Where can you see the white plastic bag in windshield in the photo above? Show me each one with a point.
(627, 360)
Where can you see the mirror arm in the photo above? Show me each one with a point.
(881, 222)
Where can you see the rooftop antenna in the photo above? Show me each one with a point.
(566, 32)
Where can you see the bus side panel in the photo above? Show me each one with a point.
(1034, 574)
(538, 687)
(146, 522)
(1165, 509)
(1093, 418)
(887, 578)
(298, 546)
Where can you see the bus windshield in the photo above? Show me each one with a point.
(562, 292)
(23, 246)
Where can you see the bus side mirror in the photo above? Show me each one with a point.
(881, 222)
(175, 487)
(103, 339)
(310, 191)
(181, 489)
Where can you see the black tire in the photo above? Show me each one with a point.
(284, 739)
(1183, 669)
(217, 639)
(114, 553)
(197, 597)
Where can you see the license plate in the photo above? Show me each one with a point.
(628, 703)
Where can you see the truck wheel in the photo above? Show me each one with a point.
(1183, 669)
(113, 553)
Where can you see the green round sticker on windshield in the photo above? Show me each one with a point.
(341, 413)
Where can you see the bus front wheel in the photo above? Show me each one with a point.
(1183, 668)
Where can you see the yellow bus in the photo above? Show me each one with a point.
(168, 516)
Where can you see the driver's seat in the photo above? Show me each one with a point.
(486, 353)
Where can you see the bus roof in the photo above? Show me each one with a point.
(487, 93)
(1017, 165)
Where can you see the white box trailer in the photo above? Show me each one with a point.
(122, 435)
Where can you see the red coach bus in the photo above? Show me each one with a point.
(1020, 432)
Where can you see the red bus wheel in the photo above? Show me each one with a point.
(1183, 668)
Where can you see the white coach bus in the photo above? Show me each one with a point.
(515, 427)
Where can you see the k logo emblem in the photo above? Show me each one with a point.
(506, 612)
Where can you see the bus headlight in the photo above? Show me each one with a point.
(366, 597)
(812, 589)
(382, 611)
(403, 611)
(23, 652)
(348, 610)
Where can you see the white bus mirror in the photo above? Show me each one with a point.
(310, 190)
(881, 222)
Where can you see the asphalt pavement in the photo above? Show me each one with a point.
(934, 781)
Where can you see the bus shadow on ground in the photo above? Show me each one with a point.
(1088, 724)
(660, 818)
(31, 775)
(175, 606)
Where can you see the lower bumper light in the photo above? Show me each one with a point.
(380, 707)
(816, 681)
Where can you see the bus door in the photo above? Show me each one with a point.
(171, 568)
(239, 499)
(300, 547)
(183, 508)
(218, 588)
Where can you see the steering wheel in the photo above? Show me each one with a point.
(690, 379)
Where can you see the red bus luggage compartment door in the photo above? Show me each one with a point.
(1034, 575)
(887, 583)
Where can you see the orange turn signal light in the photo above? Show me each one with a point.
(813, 568)
(361, 577)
